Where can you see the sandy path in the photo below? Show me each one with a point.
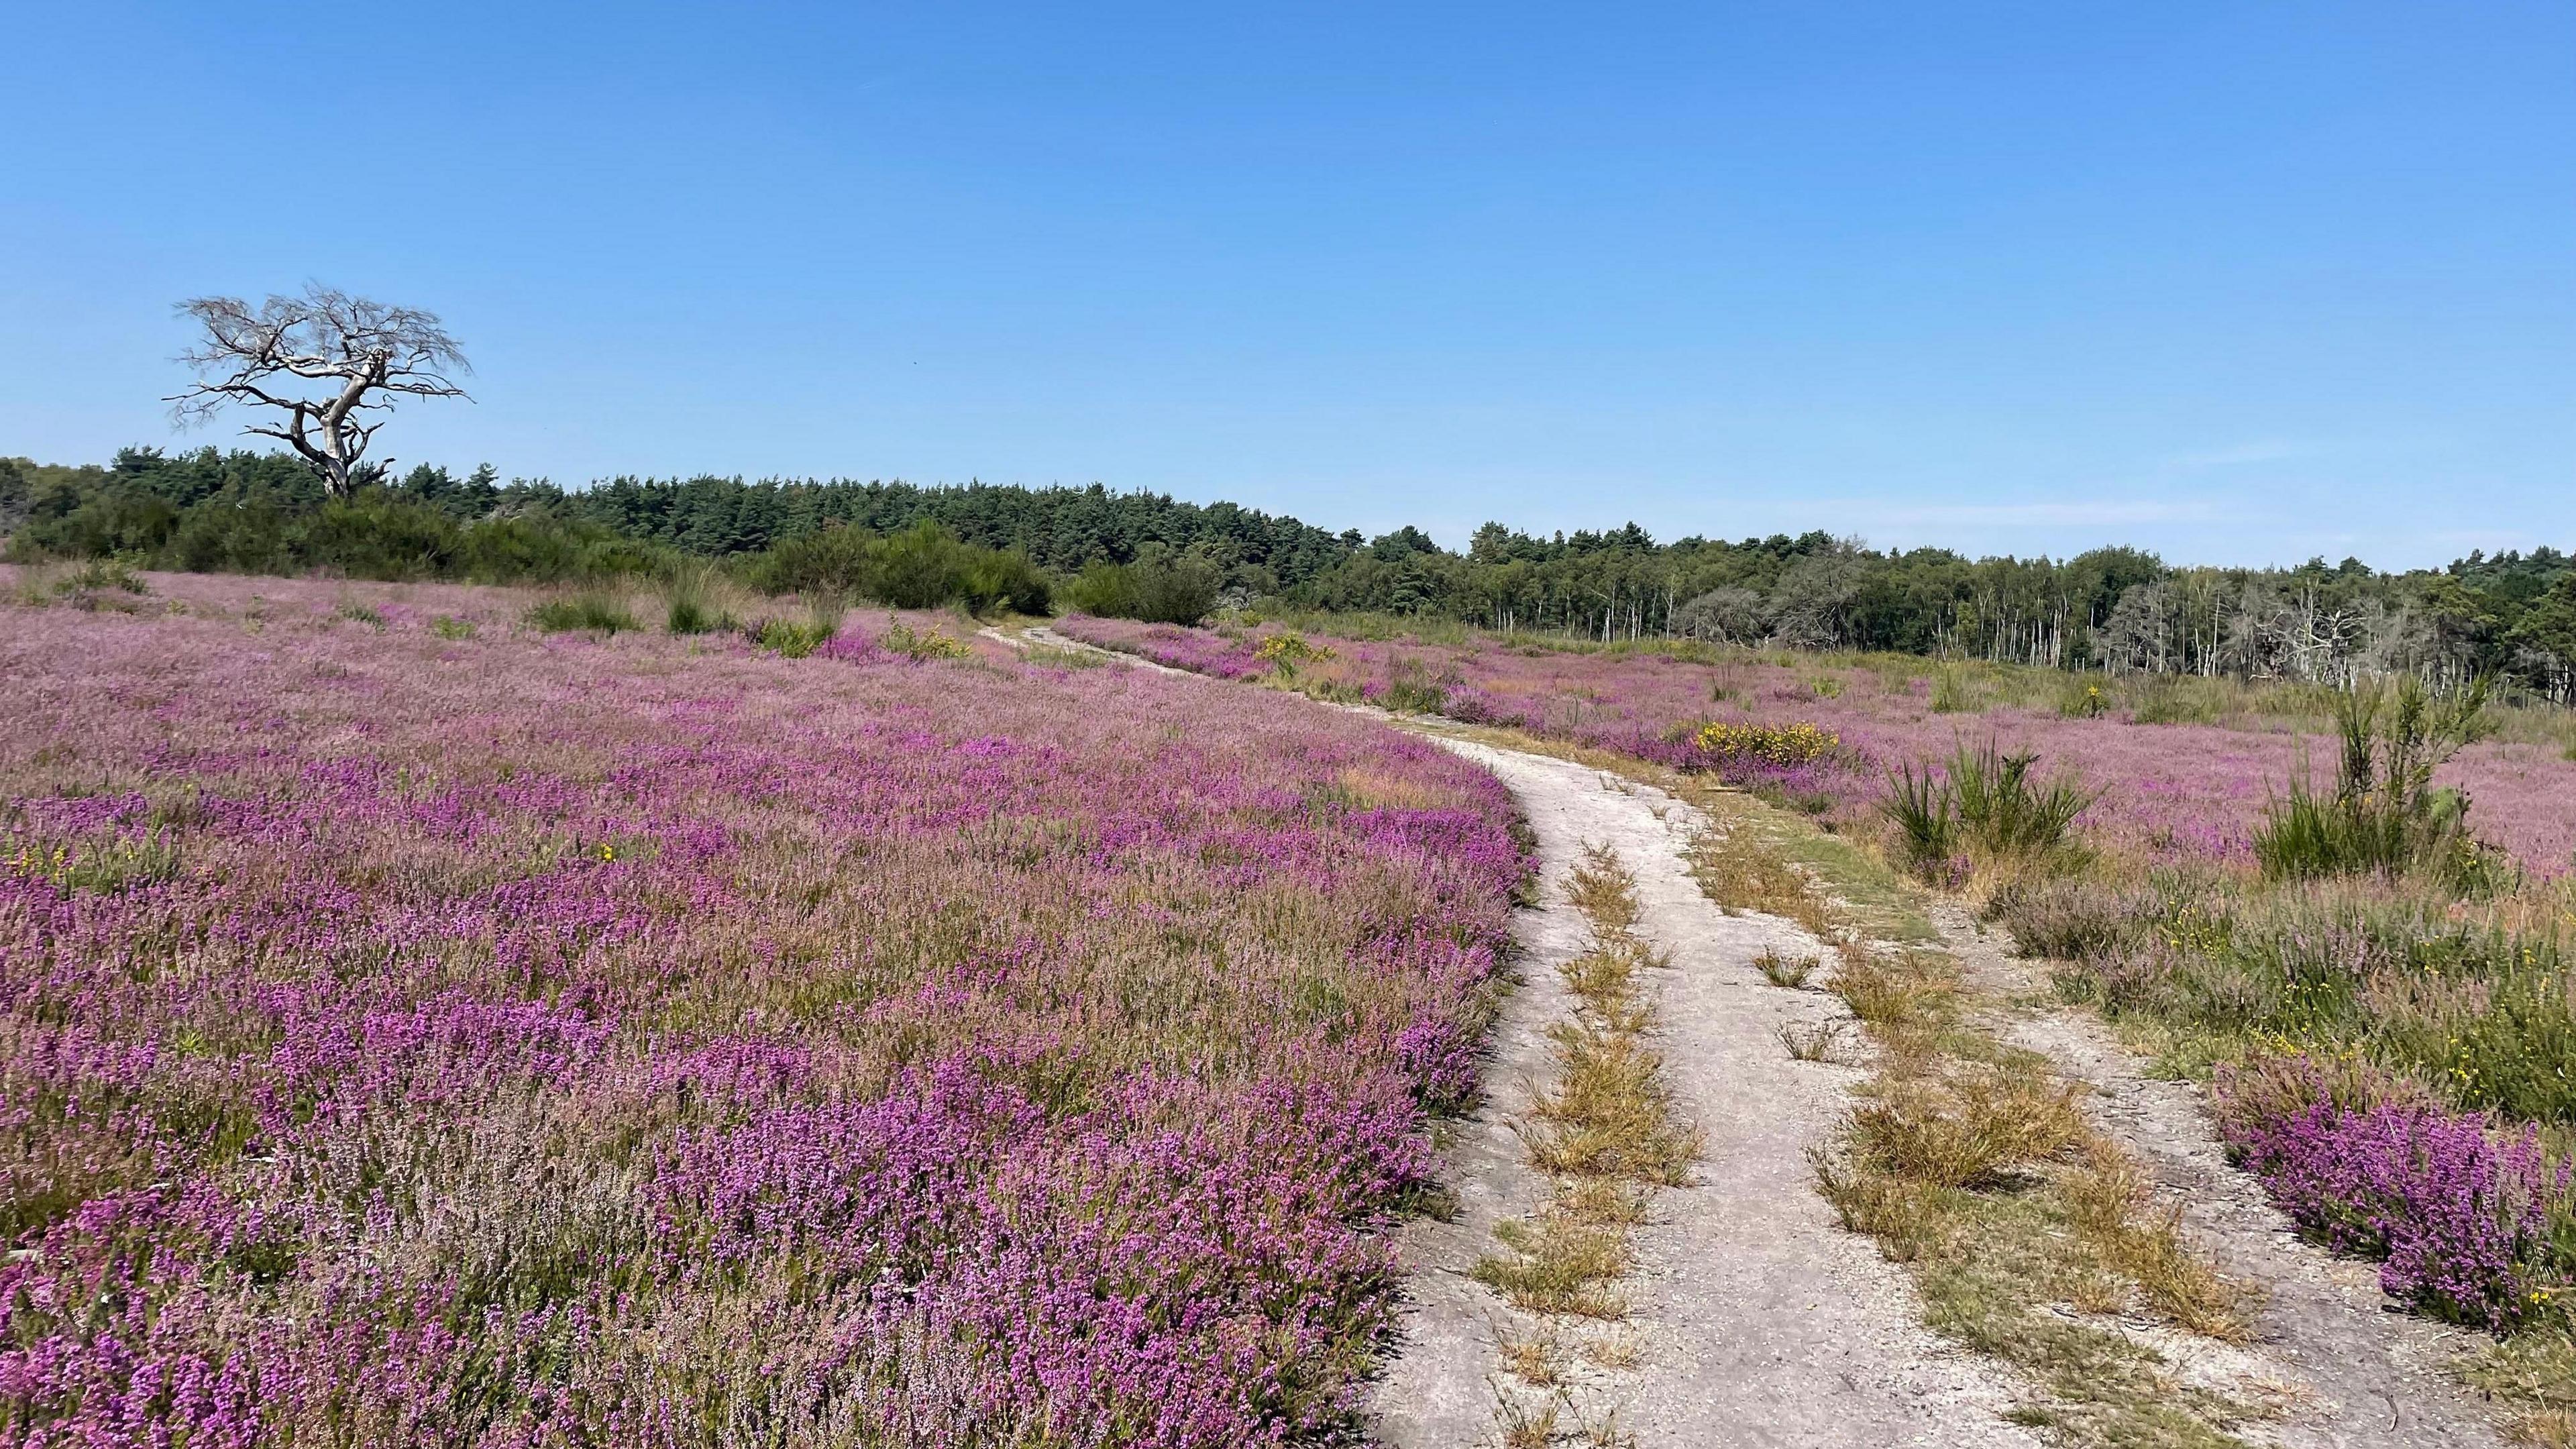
(2365, 1378)
(1759, 1321)
(1041, 634)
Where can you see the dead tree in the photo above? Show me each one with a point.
(326, 360)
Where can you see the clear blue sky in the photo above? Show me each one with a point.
(2242, 282)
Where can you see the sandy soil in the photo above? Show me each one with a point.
(1757, 1320)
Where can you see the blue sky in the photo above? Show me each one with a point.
(2239, 282)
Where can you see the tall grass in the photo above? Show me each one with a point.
(798, 638)
(2384, 814)
(693, 601)
(1987, 804)
(599, 610)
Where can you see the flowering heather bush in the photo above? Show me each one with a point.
(412, 1035)
(2174, 792)
(2463, 1215)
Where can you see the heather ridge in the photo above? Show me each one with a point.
(421, 1027)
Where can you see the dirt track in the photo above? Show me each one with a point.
(1758, 1321)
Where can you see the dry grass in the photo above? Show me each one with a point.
(1815, 1043)
(2535, 1373)
(1741, 874)
(2114, 1210)
(1604, 1130)
(1522, 1426)
(1967, 1161)
(1969, 1127)
(1785, 971)
(1614, 1349)
(1562, 1262)
(1538, 1360)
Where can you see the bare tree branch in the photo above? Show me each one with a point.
(366, 353)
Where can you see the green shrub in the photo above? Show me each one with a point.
(380, 536)
(689, 602)
(1410, 688)
(448, 626)
(236, 532)
(1161, 587)
(1007, 579)
(103, 573)
(121, 518)
(589, 609)
(832, 559)
(1987, 802)
(2008, 814)
(2384, 815)
(903, 639)
(922, 567)
(789, 638)
(1926, 817)
(798, 638)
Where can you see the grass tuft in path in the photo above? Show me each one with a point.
(1605, 1130)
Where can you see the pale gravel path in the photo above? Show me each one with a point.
(1760, 1321)
(1041, 634)
(2366, 1378)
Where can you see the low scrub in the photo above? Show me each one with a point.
(1985, 806)
(921, 567)
(1160, 587)
(2472, 1225)
(589, 609)
(2384, 815)
(2068, 919)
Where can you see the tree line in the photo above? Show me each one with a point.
(2512, 615)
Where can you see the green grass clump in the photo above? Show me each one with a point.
(1985, 804)
(790, 638)
(692, 602)
(589, 609)
(2384, 814)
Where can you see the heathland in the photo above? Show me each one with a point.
(672, 1006)
(2511, 616)
(2346, 909)
(433, 1014)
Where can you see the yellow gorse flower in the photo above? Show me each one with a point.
(1291, 649)
(1783, 745)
